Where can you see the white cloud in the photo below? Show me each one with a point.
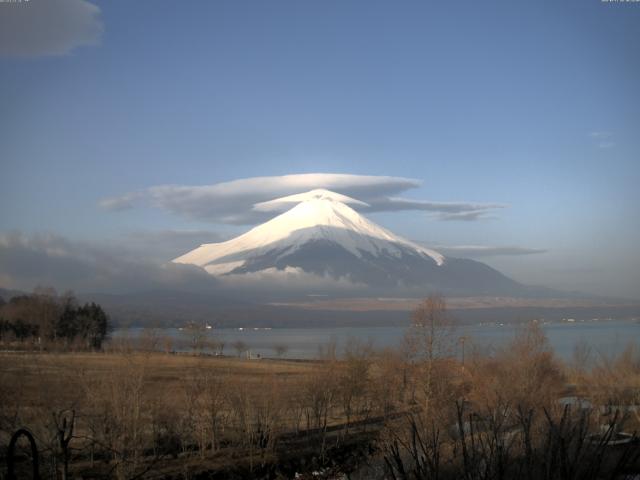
(285, 203)
(115, 204)
(233, 202)
(161, 246)
(48, 27)
(600, 134)
(289, 279)
(120, 267)
(603, 139)
(475, 251)
(448, 210)
(27, 261)
(467, 216)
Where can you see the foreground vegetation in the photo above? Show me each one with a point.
(45, 320)
(411, 413)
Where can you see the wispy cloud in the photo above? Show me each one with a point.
(161, 246)
(475, 251)
(290, 280)
(233, 202)
(52, 260)
(398, 204)
(48, 27)
(603, 139)
(468, 216)
(123, 202)
(120, 267)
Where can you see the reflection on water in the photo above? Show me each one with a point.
(604, 337)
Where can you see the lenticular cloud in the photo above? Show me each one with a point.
(251, 200)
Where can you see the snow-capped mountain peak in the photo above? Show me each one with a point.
(319, 217)
(284, 203)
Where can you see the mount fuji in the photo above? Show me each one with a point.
(320, 233)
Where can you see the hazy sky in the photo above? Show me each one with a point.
(525, 114)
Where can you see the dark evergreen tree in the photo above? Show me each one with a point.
(44, 316)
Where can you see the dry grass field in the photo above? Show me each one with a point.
(145, 414)
(155, 414)
(62, 372)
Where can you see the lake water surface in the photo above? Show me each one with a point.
(605, 337)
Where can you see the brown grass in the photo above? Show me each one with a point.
(29, 375)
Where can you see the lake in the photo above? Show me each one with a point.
(605, 337)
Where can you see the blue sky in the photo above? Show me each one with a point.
(530, 104)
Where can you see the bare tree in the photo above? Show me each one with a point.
(615, 382)
(167, 343)
(118, 399)
(240, 347)
(196, 336)
(320, 395)
(353, 379)
(431, 333)
(256, 412)
(280, 350)
(205, 394)
(389, 381)
(150, 339)
(428, 342)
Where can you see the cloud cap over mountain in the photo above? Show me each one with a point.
(474, 251)
(233, 202)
